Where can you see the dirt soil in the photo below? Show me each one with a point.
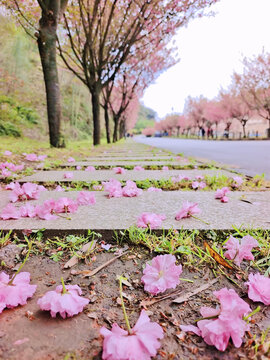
(28, 333)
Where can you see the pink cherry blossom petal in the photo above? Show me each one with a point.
(131, 190)
(17, 293)
(151, 220)
(259, 288)
(119, 170)
(162, 274)
(141, 344)
(238, 251)
(68, 304)
(10, 212)
(68, 175)
(188, 209)
(86, 198)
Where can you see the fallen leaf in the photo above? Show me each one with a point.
(85, 248)
(219, 259)
(124, 281)
(188, 295)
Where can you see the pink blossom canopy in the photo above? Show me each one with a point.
(68, 304)
(141, 344)
(17, 293)
(162, 274)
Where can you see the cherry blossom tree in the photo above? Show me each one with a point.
(195, 110)
(215, 113)
(254, 85)
(103, 35)
(236, 108)
(40, 19)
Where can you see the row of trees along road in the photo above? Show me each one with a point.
(248, 96)
(115, 47)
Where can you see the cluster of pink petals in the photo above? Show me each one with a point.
(34, 157)
(180, 178)
(90, 168)
(221, 194)
(6, 173)
(97, 187)
(154, 189)
(11, 166)
(68, 304)
(68, 175)
(49, 209)
(131, 190)
(119, 170)
(238, 181)
(141, 344)
(138, 168)
(28, 191)
(7, 168)
(10, 212)
(86, 198)
(7, 153)
(165, 168)
(71, 159)
(199, 177)
(238, 251)
(198, 185)
(229, 321)
(151, 220)
(78, 167)
(259, 288)
(17, 293)
(65, 205)
(115, 189)
(188, 209)
(59, 188)
(162, 274)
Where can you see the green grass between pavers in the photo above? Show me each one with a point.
(212, 183)
(187, 245)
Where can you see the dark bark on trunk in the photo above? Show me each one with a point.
(47, 50)
(107, 123)
(116, 126)
(95, 92)
(122, 130)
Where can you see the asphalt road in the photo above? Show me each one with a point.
(250, 157)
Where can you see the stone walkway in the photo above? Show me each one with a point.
(102, 175)
(121, 213)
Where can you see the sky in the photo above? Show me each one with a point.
(210, 50)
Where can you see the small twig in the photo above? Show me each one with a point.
(93, 272)
(188, 295)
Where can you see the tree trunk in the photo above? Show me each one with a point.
(47, 50)
(122, 129)
(244, 122)
(116, 126)
(107, 123)
(95, 92)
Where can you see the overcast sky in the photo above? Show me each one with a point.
(210, 50)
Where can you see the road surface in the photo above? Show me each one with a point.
(249, 157)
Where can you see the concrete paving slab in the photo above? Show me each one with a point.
(132, 155)
(131, 158)
(121, 213)
(112, 162)
(100, 175)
